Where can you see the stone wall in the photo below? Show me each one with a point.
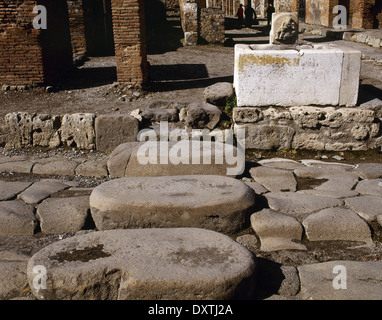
(320, 12)
(29, 56)
(77, 28)
(212, 26)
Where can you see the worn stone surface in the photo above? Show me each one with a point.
(284, 28)
(111, 130)
(19, 129)
(13, 279)
(41, 190)
(299, 205)
(45, 130)
(17, 166)
(199, 158)
(339, 183)
(370, 187)
(257, 187)
(140, 264)
(61, 215)
(56, 167)
(277, 231)
(336, 224)
(340, 194)
(202, 115)
(368, 170)
(77, 130)
(363, 280)
(219, 93)
(10, 189)
(213, 202)
(274, 179)
(157, 115)
(16, 218)
(92, 168)
(280, 163)
(368, 207)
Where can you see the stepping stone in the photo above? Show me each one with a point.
(277, 231)
(339, 183)
(61, 215)
(56, 167)
(145, 264)
(368, 170)
(219, 93)
(338, 194)
(16, 218)
(257, 187)
(280, 163)
(41, 190)
(274, 179)
(336, 224)
(368, 207)
(299, 205)
(212, 202)
(370, 187)
(363, 280)
(10, 189)
(124, 160)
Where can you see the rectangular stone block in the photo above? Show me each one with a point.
(277, 75)
(113, 130)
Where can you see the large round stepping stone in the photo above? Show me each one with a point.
(174, 263)
(213, 202)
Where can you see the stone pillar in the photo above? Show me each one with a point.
(130, 41)
(29, 56)
(362, 15)
(189, 20)
(77, 28)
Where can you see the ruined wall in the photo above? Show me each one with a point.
(320, 12)
(29, 56)
(367, 14)
(77, 27)
(212, 25)
(130, 42)
(189, 19)
(283, 5)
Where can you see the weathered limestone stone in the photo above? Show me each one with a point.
(19, 129)
(336, 224)
(41, 190)
(328, 165)
(157, 115)
(257, 187)
(124, 160)
(146, 264)
(364, 281)
(379, 219)
(61, 215)
(17, 166)
(284, 28)
(370, 187)
(219, 93)
(299, 205)
(274, 179)
(345, 182)
(248, 240)
(10, 189)
(16, 218)
(78, 130)
(247, 115)
(276, 231)
(368, 207)
(338, 194)
(45, 130)
(92, 168)
(114, 129)
(56, 167)
(13, 279)
(211, 202)
(280, 163)
(368, 170)
(200, 116)
(291, 68)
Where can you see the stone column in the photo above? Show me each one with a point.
(130, 41)
(362, 16)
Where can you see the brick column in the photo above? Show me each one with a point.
(130, 41)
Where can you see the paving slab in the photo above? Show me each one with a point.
(17, 166)
(339, 194)
(277, 231)
(257, 187)
(10, 189)
(368, 207)
(13, 279)
(368, 170)
(274, 179)
(339, 183)
(299, 205)
(370, 187)
(281, 163)
(145, 264)
(41, 190)
(92, 168)
(16, 218)
(360, 280)
(214, 202)
(336, 224)
(61, 215)
(56, 167)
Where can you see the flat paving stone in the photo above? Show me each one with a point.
(257, 187)
(328, 165)
(61, 215)
(280, 163)
(41, 190)
(13, 279)
(277, 231)
(299, 205)
(17, 166)
(145, 264)
(360, 280)
(10, 189)
(368, 170)
(16, 218)
(274, 179)
(213, 202)
(339, 183)
(92, 168)
(368, 207)
(370, 187)
(336, 224)
(339, 194)
(56, 167)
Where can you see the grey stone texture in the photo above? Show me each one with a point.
(219, 93)
(141, 264)
(273, 179)
(16, 218)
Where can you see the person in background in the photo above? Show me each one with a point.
(240, 16)
(250, 16)
(270, 10)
